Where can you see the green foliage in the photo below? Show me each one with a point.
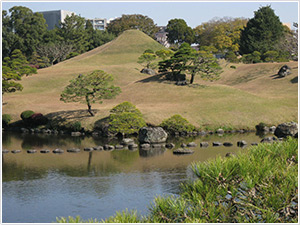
(26, 114)
(146, 58)
(271, 56)
(177, 123)
(73, 32)
(23, 30)
(125, 123)
(254, 57)
(187, 59)
(72, 54)
(233, 67)
(231, 57)
(223, 34)
(179, 32)
(134, 21)
(6, 118)
(164, 53)
(76, 126)
(262, 33)
(90, 88)
(13, 68)
(126, 107)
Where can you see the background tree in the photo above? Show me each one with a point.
(179, 32)
(134, 21)
(223, 34)
(90, 88)
(22, 30)
(164, 53)
(262, 33)
(73, 31)
(55, 52)
(13, 68)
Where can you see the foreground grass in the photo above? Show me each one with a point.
(258, 186)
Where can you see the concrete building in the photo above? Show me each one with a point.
(98, 24)
(55, 17)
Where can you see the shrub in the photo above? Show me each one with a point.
(125, 123)
(26, 114)
(231, 57)
(177, 123)
(38, 119)
(72, 54)
(126, 107)
(6, 118)
(271, 56)
(76, 126)
(254, 57)
(233, 67)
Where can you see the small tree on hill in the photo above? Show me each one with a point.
(90, 88)
(147, 58)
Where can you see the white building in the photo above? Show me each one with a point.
(55, 17)
(98, 24)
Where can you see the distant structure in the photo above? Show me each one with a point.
(98, 24)
(55, 17)
(161, 36)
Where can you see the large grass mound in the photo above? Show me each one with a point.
(243, 97)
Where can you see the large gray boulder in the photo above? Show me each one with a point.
(152, 135)
(148, 71)
(286, 129)
(284, 71)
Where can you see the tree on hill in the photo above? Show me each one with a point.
(90, 88)
(188, 60)
(179, 32)
(134, 21)
(13, 68)
(147, 58)
(262, 33)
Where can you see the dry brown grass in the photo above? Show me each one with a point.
(242, 97)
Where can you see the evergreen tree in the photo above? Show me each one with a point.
(262, 33)
(179, 32)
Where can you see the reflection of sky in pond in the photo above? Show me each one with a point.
(40, 187)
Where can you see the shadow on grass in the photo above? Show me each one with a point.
(294, 80)
(70, 114)
(276, 76)
(155, 78)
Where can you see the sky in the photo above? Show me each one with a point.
(193, 12)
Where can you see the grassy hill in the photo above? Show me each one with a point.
(243, 97)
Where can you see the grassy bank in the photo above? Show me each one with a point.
(260, 185)
(242, 98)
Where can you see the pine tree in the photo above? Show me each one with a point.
(262, 32)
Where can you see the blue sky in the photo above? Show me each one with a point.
(194, 13)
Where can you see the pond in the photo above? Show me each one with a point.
(37, 188)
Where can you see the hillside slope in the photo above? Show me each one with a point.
(242, 97)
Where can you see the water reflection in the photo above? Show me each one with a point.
(94, 184)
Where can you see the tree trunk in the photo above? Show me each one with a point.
(89, 105)
(192, 78)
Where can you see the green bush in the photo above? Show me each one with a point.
(26, 115)
(254, 57)
(126, 107)
(76, 126)
(6, 118)
(177, 123)
(233, 67)
(72, 54)
(125, 123)
(231, 57)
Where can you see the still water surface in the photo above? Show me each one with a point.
(37, 188)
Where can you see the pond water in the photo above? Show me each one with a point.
(37, 188)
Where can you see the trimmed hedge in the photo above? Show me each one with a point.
(177, 123)
(6, 118)
(125, 123)
(26, 114)
(126, 107)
